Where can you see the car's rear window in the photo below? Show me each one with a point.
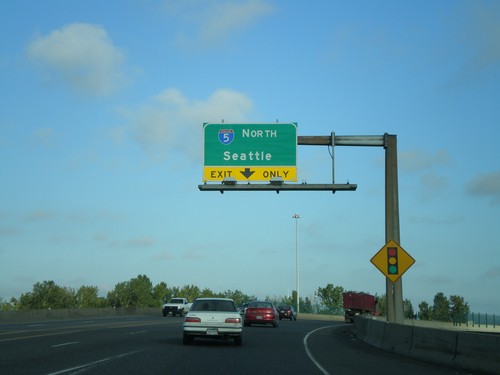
(261, 304)
(213, 305)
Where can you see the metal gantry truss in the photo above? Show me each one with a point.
(275, 186)
(394, 290)
(278, 185)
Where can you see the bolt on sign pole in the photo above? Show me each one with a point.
(394, 290)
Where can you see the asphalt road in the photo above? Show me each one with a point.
(153, 345)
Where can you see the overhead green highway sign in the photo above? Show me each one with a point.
(250, 152)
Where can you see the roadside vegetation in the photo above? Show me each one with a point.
(140, 292)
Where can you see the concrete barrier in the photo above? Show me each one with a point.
(375, 334)
(399, 340)
(464, 350)
(474, 347)
(434, 345)
(41, 315)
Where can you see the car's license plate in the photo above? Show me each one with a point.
(212, 331)
(259, 316)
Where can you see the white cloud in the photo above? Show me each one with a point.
(433, 184)
(433, 181)
(478, 33)
(44, 136)
(492, 273)
(140, 242)
(173, 122)
(486, 185)
(225, 18)
(163, 256)
(417, 160)
(219, 19)
(485, 39)
(83, 56)
(39, 215)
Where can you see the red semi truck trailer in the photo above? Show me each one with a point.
(358, 304)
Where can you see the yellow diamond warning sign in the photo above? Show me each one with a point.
(392, 260)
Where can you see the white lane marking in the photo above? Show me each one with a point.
(136, 332)
(90, 364)
(311, 357)
(64, 344)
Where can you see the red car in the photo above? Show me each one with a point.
(261, 312)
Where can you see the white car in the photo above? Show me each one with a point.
(213, 318)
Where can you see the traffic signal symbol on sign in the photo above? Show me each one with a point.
(392, 260)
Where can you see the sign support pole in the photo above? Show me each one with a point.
(394, 290)
(333, 157)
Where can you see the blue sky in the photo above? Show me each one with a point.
(101, 141)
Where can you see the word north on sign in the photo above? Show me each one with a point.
(250, 152)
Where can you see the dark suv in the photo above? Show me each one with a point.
(287, 312)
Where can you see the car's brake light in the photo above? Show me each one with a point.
(192, 319)
(233, 320)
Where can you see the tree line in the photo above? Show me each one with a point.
(140, 292)
(137, 292)
(444, 309)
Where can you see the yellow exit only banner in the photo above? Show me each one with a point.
(249, 173)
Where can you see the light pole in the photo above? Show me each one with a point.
(297, 217)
